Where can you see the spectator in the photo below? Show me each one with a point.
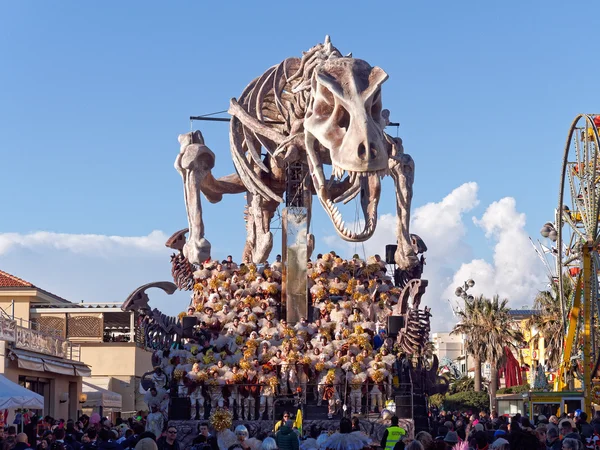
(584, 428)
(414, 445)
(269, 444)
(285, 417)
(566, 429)
(500, 444)
(571, 444)
(169, 441)
(146, 444)
(22, 442)
(286, 438)
(107, 441)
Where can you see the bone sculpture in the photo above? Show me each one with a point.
(321, 109)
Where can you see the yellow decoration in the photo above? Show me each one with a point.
(272, 381)
(201, 376)
(239, 340)
(377, 376)
(178, 374)
(330, 377)
(221, 419)
(198, 287)
(320, 294)
(244, 364)
(238, 377)
(319, 366)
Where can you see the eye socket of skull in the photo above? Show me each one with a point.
(324, 103)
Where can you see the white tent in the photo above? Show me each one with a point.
(98, 397)
(13, 395)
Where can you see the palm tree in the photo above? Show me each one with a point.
(469, 325)
(500, 333)
(549, 320)
(488, 328)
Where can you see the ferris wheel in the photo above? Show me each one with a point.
(577, 238)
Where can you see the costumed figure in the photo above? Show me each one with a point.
(268, 386)
(215, 389)
(357, 380)
(251, 394)
(197, 379)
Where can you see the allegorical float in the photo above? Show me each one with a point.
(322, 335)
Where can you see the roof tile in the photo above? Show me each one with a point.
(10, 281)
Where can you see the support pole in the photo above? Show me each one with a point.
(587, 332)
(294, 255)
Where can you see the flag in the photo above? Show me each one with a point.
(298, 421)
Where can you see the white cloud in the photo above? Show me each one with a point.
(516, 273)
(94, 268)
(95, 244)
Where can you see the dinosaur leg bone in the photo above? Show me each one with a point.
(259, 239)
(194, 162)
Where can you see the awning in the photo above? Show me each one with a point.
(13, 395)
(30, 363)
(108, 383)
(59, 367)
(43, 363)
(96, 396)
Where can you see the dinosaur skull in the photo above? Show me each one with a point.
(344, 127)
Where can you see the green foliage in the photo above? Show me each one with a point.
(462, 385)
(515, 389)
(436, 400)
(467, 401)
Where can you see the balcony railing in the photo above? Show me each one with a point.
(36, 340)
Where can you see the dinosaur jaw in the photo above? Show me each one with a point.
(369, 186)
(343, 186)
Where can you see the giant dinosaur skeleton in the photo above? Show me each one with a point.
(322, 109)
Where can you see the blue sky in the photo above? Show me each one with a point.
(93, 96)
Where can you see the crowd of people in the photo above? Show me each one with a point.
(243, 353)
(459, 431)
(96, 433)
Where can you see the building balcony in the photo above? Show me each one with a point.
(26, 335)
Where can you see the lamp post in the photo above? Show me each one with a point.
(461, 291)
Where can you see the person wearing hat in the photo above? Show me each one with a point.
(500, 444)
(451, 437)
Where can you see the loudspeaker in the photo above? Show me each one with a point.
(389, 253)
(403, 407)
(188, 323)
(395, 324)
(179, 408)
